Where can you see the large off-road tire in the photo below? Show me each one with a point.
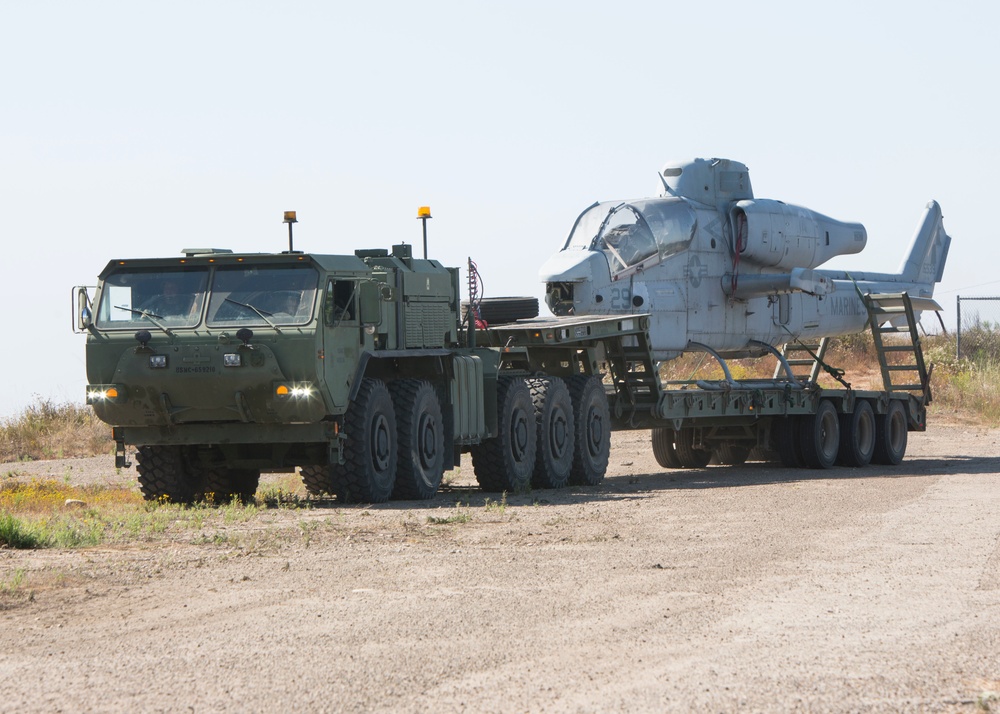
(857, 435)
(890, 435)
(318, 480)
(820, 434)
(497, 311)
(591, 429)
(788, 442)
(689, 456)
(370, 454)
(730, 454)
(164, 475)
(420, 464)
(663, 448)
(555, 436)
(222, 485)
(506, 462)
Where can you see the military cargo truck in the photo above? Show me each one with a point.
(361, 372)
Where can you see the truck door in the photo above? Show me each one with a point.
(342, 337)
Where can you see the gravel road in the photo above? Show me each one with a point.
(722, 589)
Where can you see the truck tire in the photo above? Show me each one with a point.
(820, 435)
(318, 480)
(555, 434)
(890, 435)
(497, 311)
(663, 448)
(730, 454)
(370, 454)
(689, 456)
(788, 443)
(592, 430)
(857, 435)
(164, 475)
(506, 462)
(420, 462)
(223, 485)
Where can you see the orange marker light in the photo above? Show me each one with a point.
(281, 391)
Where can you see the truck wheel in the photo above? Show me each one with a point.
(370, 455)
(226, 484)
(731, 454)
(890, 435)
(317, 479)
(857, 435)
(820, 434)
(663, 448)
(163, 475)
(505, 462)
(555, 437)
(687, 454)
(592, 430)
(420, 463)
(788, 443)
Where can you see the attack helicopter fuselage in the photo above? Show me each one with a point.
(714, 266)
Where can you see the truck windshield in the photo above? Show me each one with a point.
(635, 233)
(262, 295)
(134, 298)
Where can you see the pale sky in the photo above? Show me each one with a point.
(136, 129)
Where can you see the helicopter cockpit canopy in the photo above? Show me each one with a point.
(636, 234)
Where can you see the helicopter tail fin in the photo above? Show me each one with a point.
(929, 249)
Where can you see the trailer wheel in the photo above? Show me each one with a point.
(420, 464)
(369, 469)
(857, 435)
(788, 443)
(592, 430)
(689, 456)
(223, 485)
(890, 435)
(505, 462)
(555, 435)
(164, 475)
(821, 436)
(730, 454)
(663, 448)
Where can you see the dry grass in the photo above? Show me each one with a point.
(48, 430)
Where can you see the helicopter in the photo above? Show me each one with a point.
(714, 267)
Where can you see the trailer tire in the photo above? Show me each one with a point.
(368, 473)
(890, 435)
(164, 475)
(857, 435)
(731, 454)
(420, 463)
(663, 448)
(820, 434)
(689, 456)
(592, 430)
(555, 438)
(788, 443)
(505, 462)
(500, 310)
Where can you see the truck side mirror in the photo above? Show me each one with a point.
(370, 303)
(83, 313)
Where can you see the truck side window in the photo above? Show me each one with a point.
(340, 302)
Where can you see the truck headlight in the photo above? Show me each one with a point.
(98, 393)
(232, 359)
(286, 390)
(157, 361)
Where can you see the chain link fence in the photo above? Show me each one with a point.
(978, 330)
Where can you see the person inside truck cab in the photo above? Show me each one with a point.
(172, 301)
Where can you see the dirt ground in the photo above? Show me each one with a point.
(722, 589)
